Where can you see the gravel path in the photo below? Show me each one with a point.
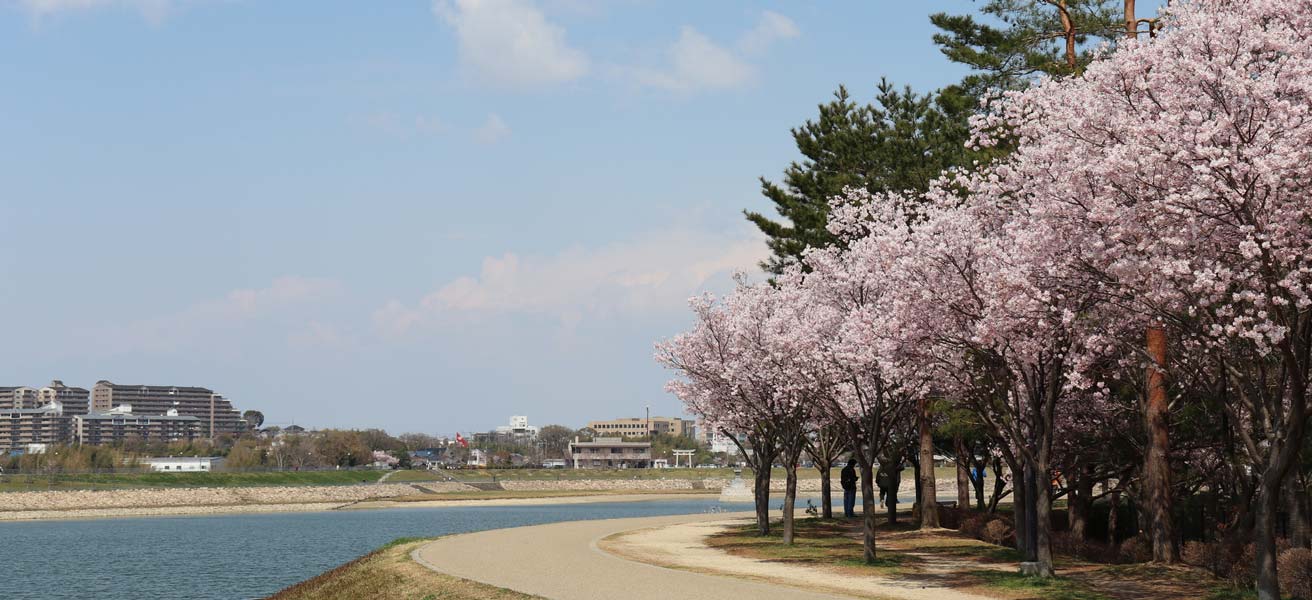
(561, 561)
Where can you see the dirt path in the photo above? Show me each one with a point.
(683, 546)
(561, 561)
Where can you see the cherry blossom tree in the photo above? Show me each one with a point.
(1184, 163)
(740, 376)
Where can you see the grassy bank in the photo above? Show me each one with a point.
(108, 481)
(965, 564)
(390, 574)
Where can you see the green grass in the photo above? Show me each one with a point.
(19, 483)
(1047, 588)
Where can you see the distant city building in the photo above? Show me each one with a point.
(609, 452)
(518, 428)
(642, 426)
(477, 458)
(214, 412)
(719, 442)
(120, 423)
(184, 464)
(23, 427)
(30, 416)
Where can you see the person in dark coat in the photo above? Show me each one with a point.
(848, 479)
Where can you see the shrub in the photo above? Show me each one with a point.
(1213, 557)
(951, 518)
(973, 525)
(1295, 569)
(1065, 543)
(1135, 550)
(1242, 568)
(998, 532)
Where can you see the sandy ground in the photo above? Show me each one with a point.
(682, 546)
(561, 561)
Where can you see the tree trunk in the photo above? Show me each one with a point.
(915, 479)
(1043, 521)
(790, 498)
(1131, 23)
(928, 486)
(963, 474)
(1157, 466)
(1264, 541)
(762, 489)
(826, 494)
(1020, 512)
(868, 512)
(1079, 503)
(999, 486)
(1300, 531)
(1113, 518)
(893, 477)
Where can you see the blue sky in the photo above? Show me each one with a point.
(393, 214)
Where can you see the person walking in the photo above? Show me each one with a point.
(848, 479)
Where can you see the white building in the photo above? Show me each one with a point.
(518, 428)
(720, 442)
(477, 458)
(184, 464)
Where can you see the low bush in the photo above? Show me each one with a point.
(1135, 550)
(973, 525)
(1295, 569)
(999, 532)
(1211, 556)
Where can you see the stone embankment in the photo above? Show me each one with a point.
(167, 497)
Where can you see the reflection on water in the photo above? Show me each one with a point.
(247, 555)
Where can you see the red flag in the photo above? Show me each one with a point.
(461, 440)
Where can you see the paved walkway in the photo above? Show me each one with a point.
(561, 561)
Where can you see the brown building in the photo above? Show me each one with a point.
(610, 453)
(120, 423)
(214, 412)
(639, 426)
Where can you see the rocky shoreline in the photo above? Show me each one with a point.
(82, 504)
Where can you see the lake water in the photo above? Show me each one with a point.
(224, 557)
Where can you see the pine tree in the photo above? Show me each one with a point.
(1036, 37)
(900, 142)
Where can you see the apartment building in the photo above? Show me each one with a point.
(39, 416)
(642, 426)
(610, 453)
(214, 412)
(121, 423)
(21, 427)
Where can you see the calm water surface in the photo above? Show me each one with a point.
(246, 556)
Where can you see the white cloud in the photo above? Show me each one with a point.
(510, 43)
(492, 131)
(653, 273)
(696, 63)
(152, 10)
(196, 324)
(771, 28)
